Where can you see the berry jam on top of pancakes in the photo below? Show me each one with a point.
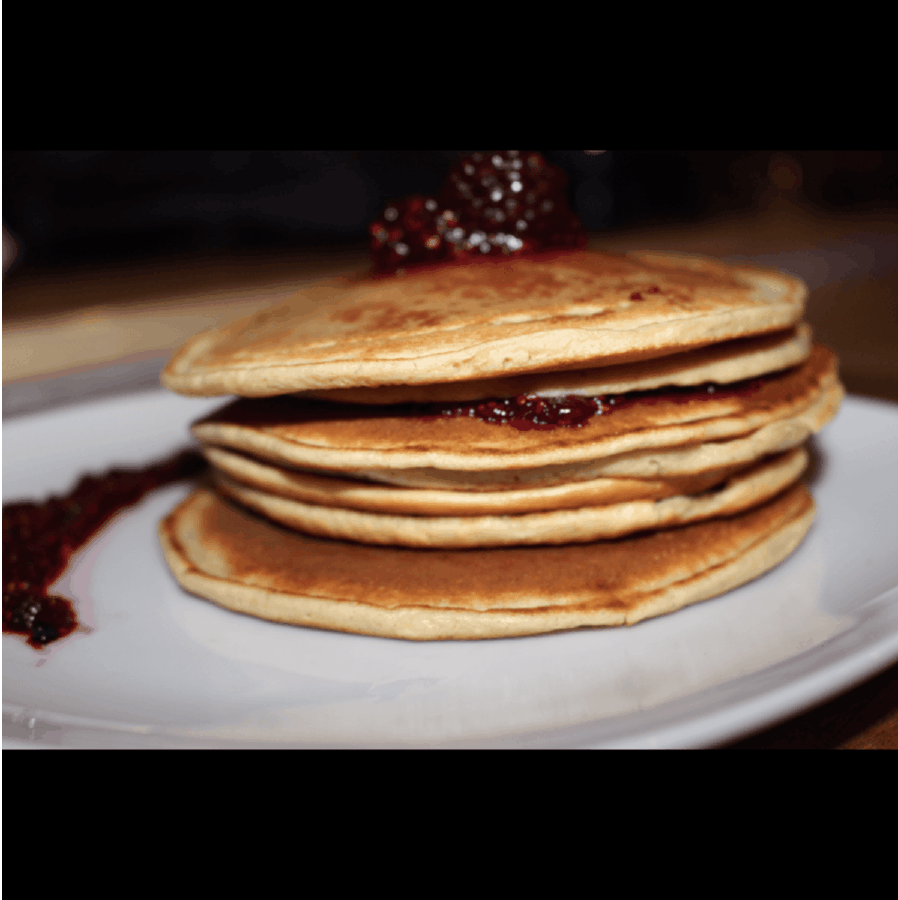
(493, 203)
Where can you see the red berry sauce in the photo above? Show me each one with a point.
(410, 232)
(496, 203)
(528, 412)
(39, 539)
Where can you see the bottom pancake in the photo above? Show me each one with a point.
(246, 564)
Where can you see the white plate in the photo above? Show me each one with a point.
(161, 668)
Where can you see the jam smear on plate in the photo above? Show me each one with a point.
(39, 539)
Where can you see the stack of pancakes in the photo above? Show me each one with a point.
(359, 484)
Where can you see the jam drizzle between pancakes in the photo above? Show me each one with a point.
(528, 412)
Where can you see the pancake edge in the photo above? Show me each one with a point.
(586, 340)
(827, 393)
(427, 624)
(586, 524)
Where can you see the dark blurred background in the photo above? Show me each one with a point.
(67, 207)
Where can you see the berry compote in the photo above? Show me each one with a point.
(39, 539)
(494, 203)
(528, 412)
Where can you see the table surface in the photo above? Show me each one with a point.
(61, 322)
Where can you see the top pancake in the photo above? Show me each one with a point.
(567, 310)
(721, 363)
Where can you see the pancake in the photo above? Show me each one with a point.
(486, 319)
(688, 460)
(359, 485)
(244, 564)
(590, 523)
(719, 364)
(346, 439)
(348, 493)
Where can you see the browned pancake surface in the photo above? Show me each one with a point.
(581, 525)
(348, 493)
(207, 536)
(720, 363)
(329, 430)
(491, 317)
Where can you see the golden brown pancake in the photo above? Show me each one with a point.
(719, 364)
(494, 317)
(245, 564)
(687, 460)
(344, 438)
(348, 493)
(583, 524)
(410, 521)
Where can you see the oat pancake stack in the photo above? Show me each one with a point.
(505, 447)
